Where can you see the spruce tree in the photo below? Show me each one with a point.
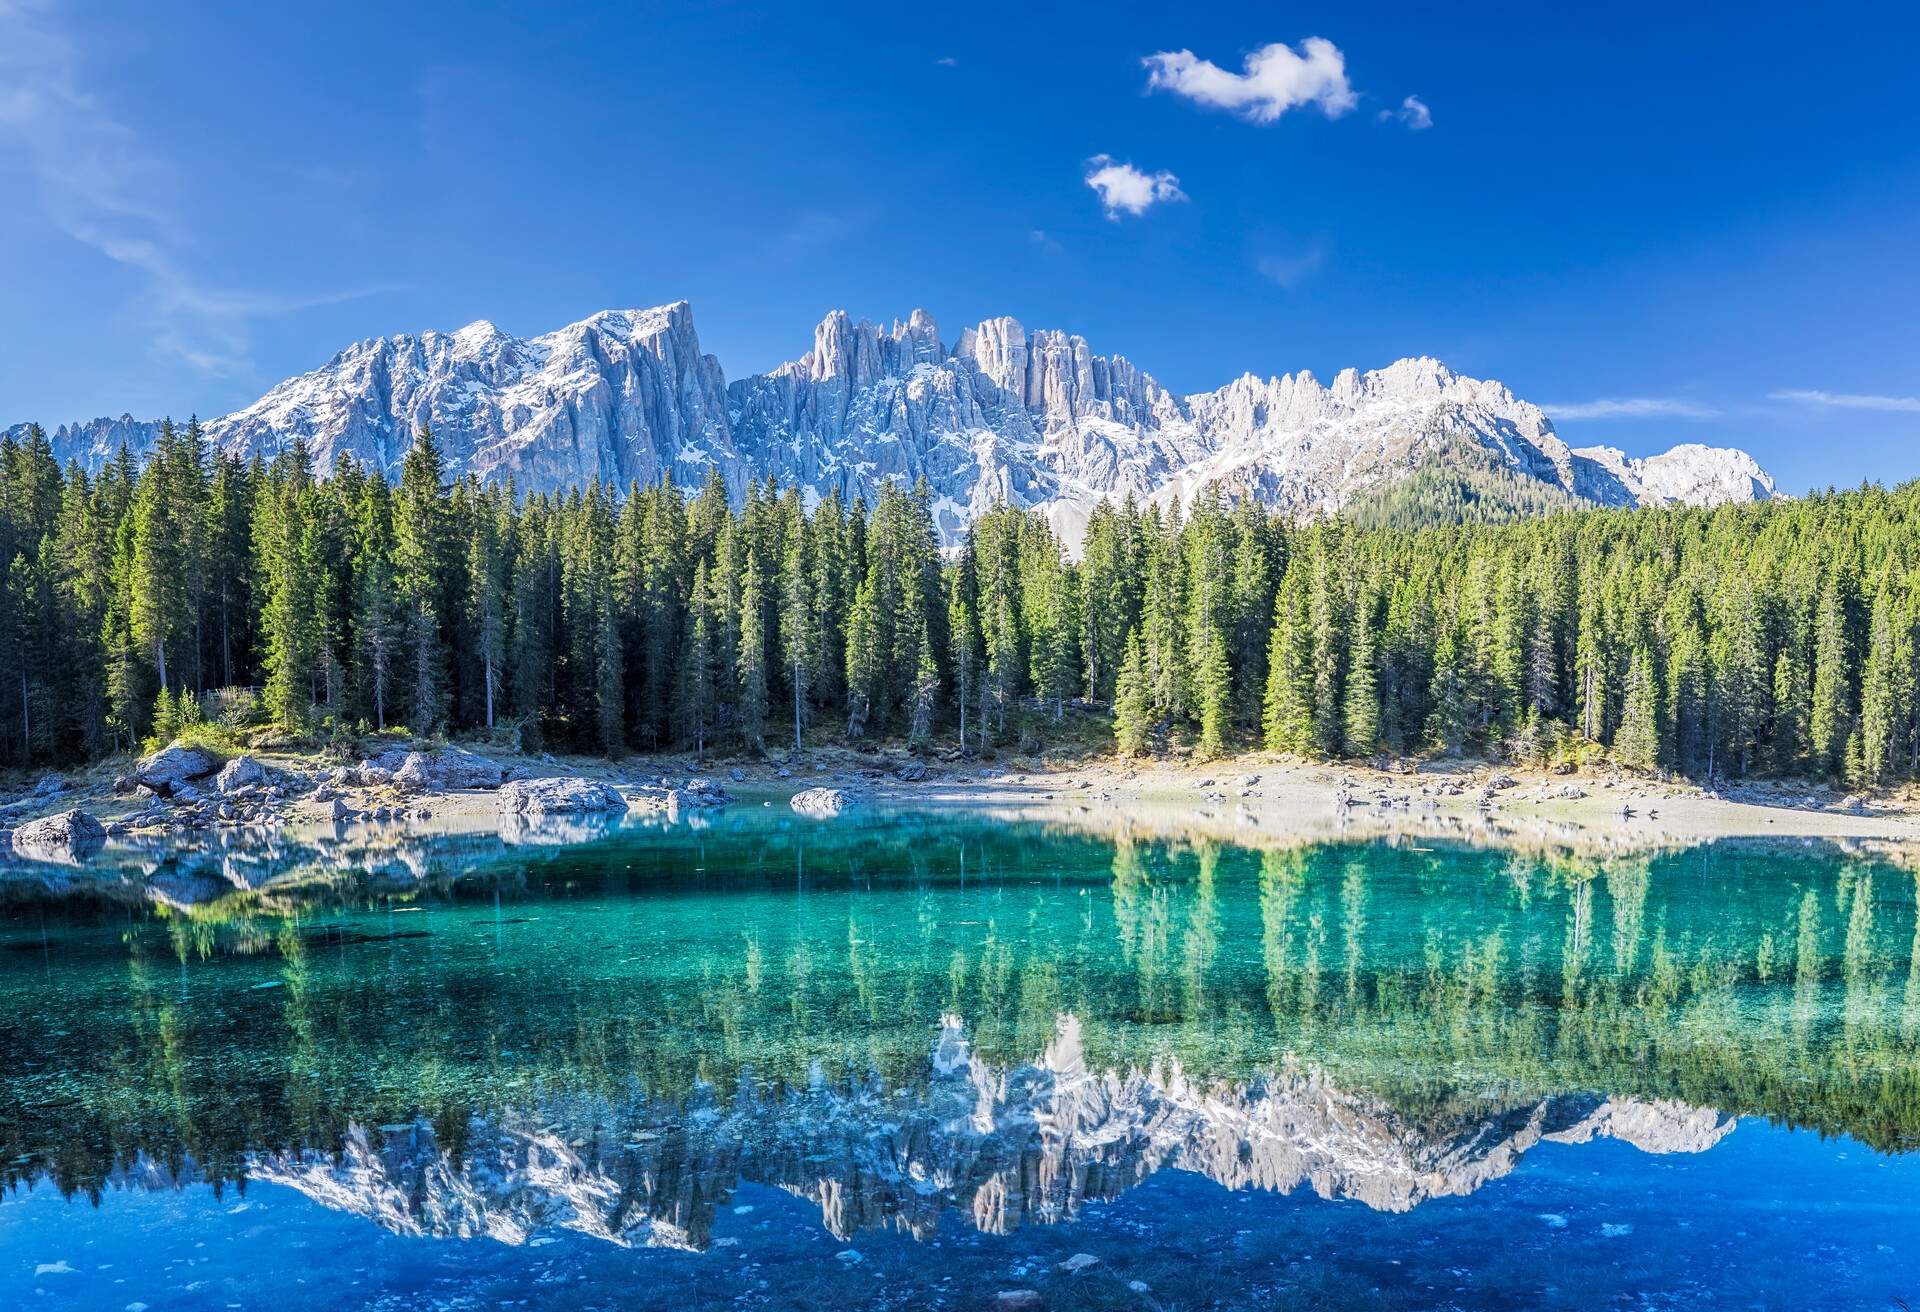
(1133, 701)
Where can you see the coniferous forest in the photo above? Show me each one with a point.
(1776, 639)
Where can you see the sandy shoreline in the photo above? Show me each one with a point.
(1254, 799)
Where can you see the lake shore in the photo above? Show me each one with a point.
(1254, 798)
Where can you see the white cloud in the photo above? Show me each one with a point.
(1277, 79)
(100, 186)
(1850, 400)
(1413, 112)
(1290, 270)
(1124, 189)
(947, 61)
(1633, 407)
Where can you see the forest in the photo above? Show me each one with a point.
(1775, 639)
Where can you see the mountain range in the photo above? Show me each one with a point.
(1003, 414)
(998, 1148)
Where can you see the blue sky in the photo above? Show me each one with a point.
(1696, 223)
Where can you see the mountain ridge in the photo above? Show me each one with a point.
(1031, 417)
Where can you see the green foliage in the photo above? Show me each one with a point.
(1774, 639)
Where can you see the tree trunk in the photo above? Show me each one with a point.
(160, 657)
(489, 690)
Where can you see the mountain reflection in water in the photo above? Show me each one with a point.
(907, 1018)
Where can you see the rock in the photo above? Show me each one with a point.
(699, 792)
(737, 775)
(1500, 781)
(822, 803)
(441, 768)
(324, 793)
(241, 772)
(415, 773)
(173, 766)
(1079, 1262)
(50, 785)
(369, 775)
(783, 773)
(1139, 1286)
(340, 812)
(911, 773)
(1563, 767)
(186, 794)
(563, 796)
(71, 835)
(1852, 803)
(1019, 1300)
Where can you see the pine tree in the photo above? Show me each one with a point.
(1832, 709)
(798, 624)
(751, 665)
(422, 542)
(1886, 691)
(1288, 717)
(866, 673)
(1133, 701)
(1360, 714)
(1636, 743)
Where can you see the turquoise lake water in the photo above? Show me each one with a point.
(913, 1061)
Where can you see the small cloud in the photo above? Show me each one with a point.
(1413, 112)
(1277, 79)
(947, 61)
(1850, 400)
(1044, 240)
(1633, 407)
(1124, 189)
(1290, 270)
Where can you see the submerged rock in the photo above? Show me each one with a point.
(821, 802)
(564, 796)
(71, 835)
(174, 766)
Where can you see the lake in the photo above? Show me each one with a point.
(908, 1060)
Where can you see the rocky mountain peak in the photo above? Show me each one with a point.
(1032, 417)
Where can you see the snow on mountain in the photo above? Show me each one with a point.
(1004, 414)
(997, 1147)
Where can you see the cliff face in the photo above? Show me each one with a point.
(1033, 418)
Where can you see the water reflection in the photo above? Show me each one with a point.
(499, 1033)
(997, 1148)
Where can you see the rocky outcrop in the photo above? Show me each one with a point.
(821, 803)
(240, 774)
(175, 768)
(566, 796)
(440, 769)
(69, 836)
(1004, 414)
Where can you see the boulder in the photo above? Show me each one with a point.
(821, 802)
(737, 775)
(71, 835)
(415, 773)
(174, 766)
(50, 785)
(1019, 1300)
(442, 769)
(911, 773)
(563, 796)
(704, 792)
(240, 773)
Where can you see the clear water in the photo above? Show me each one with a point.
(914, 1061)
